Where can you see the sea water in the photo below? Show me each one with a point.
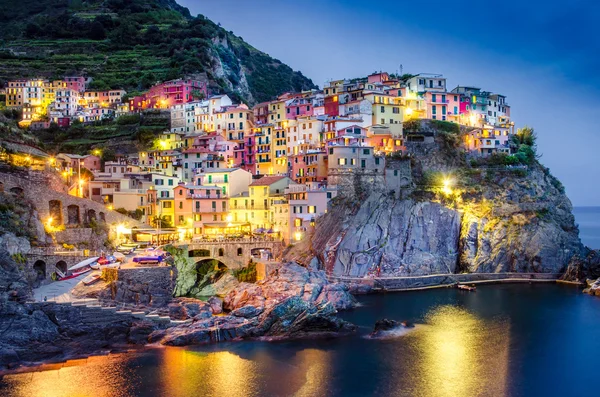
(588, 219)
(503, 340)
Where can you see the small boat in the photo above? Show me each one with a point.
(127, 248)
(148, 259)
(62, 276)
(466, 287)
(91, 279)
(119, 256)
(151, 255)
(83, 264)
(108, 261)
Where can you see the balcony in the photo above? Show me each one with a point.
(206, 196)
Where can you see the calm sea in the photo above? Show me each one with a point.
(503, 340)
(588, 219)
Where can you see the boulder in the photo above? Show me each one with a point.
(216, 304)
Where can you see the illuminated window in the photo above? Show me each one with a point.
(312, 209)
(297, 222)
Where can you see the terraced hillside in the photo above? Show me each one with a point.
(132, 44)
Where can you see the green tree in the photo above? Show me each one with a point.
(161, 221)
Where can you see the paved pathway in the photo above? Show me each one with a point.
(58, 291)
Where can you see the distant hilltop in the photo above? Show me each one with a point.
(133, 45)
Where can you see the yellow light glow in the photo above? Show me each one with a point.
(65, 174)
(49, 221)
(298, 236)
(97, 152)
(110, 207)
(122, 229)
(163, 144)
(409, 111)
(447, 186)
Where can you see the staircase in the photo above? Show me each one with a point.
(95, 313)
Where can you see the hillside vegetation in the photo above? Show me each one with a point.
(132, 44)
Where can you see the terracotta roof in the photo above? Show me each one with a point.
(267, 180)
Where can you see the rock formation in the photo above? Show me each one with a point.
(293, 302)
(492, 220)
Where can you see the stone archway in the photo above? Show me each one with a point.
(40, 269)
(73, 214)
(62, 267)
(55, 211)
(91, 215)
(221, 252)
(209, 271)
(17, 191)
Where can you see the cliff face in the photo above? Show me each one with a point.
(494, 220)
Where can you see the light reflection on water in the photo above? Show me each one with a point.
(463, 347)
(456, 359)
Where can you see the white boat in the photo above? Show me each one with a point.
(91, 279)
(81, 265)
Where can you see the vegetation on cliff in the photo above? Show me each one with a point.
(132, 44)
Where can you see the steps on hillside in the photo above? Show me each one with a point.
(96, 313)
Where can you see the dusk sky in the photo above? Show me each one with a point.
(543, 55)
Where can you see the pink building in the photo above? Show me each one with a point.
(299, 107)
(308, 166)
(378, 78)
(261, 113)
(75, 83)
(199, 206)
(170, 93)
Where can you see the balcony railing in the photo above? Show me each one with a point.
(206, 196)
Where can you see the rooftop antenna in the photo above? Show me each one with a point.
(401, 70)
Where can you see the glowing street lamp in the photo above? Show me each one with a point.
(447, 186)
(97, 152)
(163, 144)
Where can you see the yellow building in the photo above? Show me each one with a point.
(166, 211)
(256, 206)
(277, 112)
(387, 110)
(169, 140)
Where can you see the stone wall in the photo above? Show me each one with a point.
(352, 182)
(148, 286)
(44, 192)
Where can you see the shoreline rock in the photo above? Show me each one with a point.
(292, 302)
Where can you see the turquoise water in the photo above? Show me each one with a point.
(503, 340)
(588, 219)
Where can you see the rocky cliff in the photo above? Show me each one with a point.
(486, 219)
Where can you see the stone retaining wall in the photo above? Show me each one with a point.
(150, 286)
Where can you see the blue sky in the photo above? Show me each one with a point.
(544, 55)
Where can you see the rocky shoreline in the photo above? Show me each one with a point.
(291, 303)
